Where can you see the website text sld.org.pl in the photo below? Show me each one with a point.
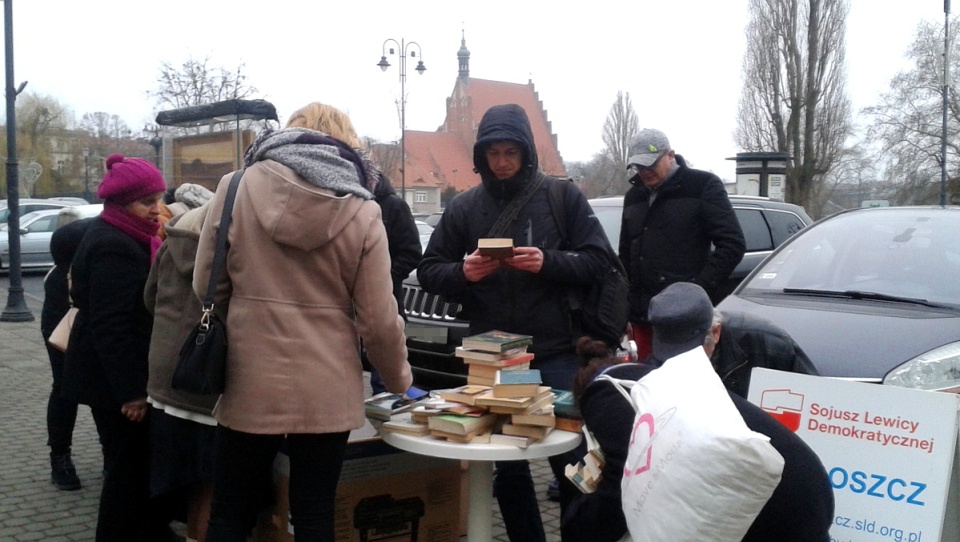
(870, 526)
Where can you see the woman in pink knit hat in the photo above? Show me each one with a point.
(106, 366)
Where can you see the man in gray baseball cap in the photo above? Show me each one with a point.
(677, 226)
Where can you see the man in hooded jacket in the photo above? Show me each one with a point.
(525, 293)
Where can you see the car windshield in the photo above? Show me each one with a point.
(892, 255)
(610, 222)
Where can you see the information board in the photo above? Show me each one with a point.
(889, 451)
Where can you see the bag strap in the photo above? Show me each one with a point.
(558, 208)
(509, 214)
(220, 252)
(622, 386)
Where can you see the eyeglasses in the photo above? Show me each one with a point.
(637, 168)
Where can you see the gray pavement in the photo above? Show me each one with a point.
(31, 508)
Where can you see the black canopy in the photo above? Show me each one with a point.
(225, 111)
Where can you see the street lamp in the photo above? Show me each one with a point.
(403, 48)
(86, 175)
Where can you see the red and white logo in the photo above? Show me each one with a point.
(784, 405)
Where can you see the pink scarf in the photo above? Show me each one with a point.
(140, 229)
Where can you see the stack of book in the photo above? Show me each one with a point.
(489, 352)
(526, 405)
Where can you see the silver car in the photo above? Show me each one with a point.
(869, 294)
(36, 228)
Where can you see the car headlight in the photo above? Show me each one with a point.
(938, 369)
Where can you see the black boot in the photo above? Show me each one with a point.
(63, 474)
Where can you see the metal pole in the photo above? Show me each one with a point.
(86, 178)
(16, 310)
(403, 120)
(946, 94)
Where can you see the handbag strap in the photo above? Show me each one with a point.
(509, 214)
(220, 252)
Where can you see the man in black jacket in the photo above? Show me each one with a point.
(678, 226)
(525, 293)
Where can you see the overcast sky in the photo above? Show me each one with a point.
(680, 60)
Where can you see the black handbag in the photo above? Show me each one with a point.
(202, 367)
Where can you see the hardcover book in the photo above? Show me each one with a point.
(464, 394)
(511, 440)
(519, 403)
(495, 247)
(542, 402)
(526, 430)
(522, 383)
(489, 371)
(384, 405)
(512, 356)
(540, 420)
(461, 425)
(404, 423)
(496, 341)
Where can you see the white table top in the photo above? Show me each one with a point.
(555, 443)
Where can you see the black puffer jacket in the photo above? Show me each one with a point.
(670, 240)
(800, 509)
(508, 299)
(403, 238)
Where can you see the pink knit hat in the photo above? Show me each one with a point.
(129, 179)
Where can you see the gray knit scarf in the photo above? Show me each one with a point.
(317, 158)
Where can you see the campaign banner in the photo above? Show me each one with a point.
(889, 451)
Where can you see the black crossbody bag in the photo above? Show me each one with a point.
(202, 367)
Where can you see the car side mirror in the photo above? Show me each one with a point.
(24, 231)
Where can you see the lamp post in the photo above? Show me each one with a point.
(86, 175)
(404, 48)
(16, 309)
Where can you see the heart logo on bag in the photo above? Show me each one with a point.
(653, 428)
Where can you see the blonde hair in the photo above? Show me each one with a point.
(327, 119)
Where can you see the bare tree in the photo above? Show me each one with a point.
(794, 96)
(605, 173)
(195, 82)
(908, 121)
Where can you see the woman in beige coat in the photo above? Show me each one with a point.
(308, 276)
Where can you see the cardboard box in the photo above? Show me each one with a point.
(384, 494)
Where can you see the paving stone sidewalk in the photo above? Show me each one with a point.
(31, 508)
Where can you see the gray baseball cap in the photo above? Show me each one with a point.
(648, 147)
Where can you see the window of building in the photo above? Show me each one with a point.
(421, 197)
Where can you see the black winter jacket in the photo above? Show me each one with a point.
(511, 300)
(56, 301)
(107, 359)
(403, 238)
(748, 341)
(800, 509)
(670, 241)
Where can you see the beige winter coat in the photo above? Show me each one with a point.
(310, 275)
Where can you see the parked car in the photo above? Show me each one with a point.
(36, 228)
(77, 212)
(29, 205)
(434, 328)
(869, 294)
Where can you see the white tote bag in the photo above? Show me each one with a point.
(694, 470)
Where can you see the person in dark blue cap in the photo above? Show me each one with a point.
(800, 509)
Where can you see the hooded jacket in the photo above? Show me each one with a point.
(403, 237)
(176, 310)
(689, 233)
(308, 275)
(511, 300)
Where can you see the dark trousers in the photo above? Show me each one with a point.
(126, 512)
(513, 483)
(241, 459)
(61, 412)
